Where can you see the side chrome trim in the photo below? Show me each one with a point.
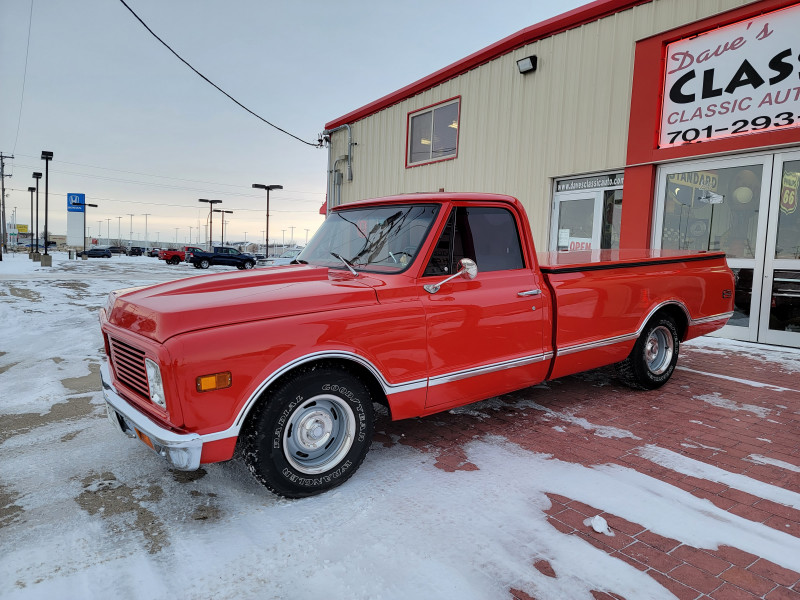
(501, 366)
(596, 344)
(720, 317)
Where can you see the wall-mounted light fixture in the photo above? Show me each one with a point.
(527, 65)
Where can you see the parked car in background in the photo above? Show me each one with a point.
(153, 252)
(118, 250)
(221, 256)
(98, 252)
(261, 260)
(136, 251)
(284, 259)
(173, 256)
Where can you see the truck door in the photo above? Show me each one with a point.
(486, 335)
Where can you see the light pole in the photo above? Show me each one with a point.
(219, 210)
(291, 234)
(108, 232)
(176, 236)
(84, 205)
(99, 232)
(30, 248)
(283, 240)
(306, 237)
(46, 157)
(261, 186)
(146, 243)
(37, 177)
(211, 204)
(130, 234)
(190, 233)
(119, 230)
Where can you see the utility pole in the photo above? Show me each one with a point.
(3, 176)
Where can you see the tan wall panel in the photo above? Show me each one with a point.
(520, 132)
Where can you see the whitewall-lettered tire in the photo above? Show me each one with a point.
(311, 433)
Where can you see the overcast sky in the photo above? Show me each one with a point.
(138, 132)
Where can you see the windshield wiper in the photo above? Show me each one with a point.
(346, 263)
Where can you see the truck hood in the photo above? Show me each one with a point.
(164, 310)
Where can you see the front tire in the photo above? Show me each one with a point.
(204, 264)
(311, 433)
(654, 356)
(249, 264)
(174, 260)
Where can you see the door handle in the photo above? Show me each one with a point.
(529, 293)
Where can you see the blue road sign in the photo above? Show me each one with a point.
(76, 202)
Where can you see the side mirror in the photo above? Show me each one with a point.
(467, 270)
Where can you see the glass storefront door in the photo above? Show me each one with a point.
(587, 213)
(574, 218)
(746, 207)
(780, 309)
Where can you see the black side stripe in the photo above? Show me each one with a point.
(644, 263)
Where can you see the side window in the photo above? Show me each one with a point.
(487, 235)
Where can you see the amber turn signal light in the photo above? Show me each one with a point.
(217, 381)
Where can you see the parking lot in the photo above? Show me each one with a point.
(577, 488)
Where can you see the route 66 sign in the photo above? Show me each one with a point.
(789, 192)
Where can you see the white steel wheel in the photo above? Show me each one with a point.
(320, 434)
(658, 350)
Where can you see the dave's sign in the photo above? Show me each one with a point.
(739, 79)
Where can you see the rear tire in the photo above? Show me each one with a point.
(652, 360)
(311, 433)
(174, 260)
(204, 264)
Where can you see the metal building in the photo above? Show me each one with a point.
(620, 124)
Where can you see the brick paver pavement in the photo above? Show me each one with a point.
(730, 406)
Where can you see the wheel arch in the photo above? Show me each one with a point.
(352, 363)
(677, 311)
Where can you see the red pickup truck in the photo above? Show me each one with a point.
(421, 303)
(173, 256)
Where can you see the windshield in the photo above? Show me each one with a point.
(384, 239)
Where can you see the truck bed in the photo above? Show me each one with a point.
(603, 298)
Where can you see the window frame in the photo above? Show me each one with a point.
(450, 220)
(431, 108)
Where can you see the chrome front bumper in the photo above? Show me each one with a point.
(182, 451)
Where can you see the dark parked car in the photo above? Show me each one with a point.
(153, 252)
(99, 252)
(118, 250)
(136, 251)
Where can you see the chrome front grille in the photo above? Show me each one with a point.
(128, 364)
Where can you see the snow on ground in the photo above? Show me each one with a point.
(88, 513)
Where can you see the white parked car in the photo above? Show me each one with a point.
(284, 259)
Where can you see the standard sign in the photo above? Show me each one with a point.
(735, 80)
(76, 202)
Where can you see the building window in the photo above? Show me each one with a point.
(433, 133)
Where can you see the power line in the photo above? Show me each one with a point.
(167, 46)
(177, 187)
(137, 202)
(24, 77)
